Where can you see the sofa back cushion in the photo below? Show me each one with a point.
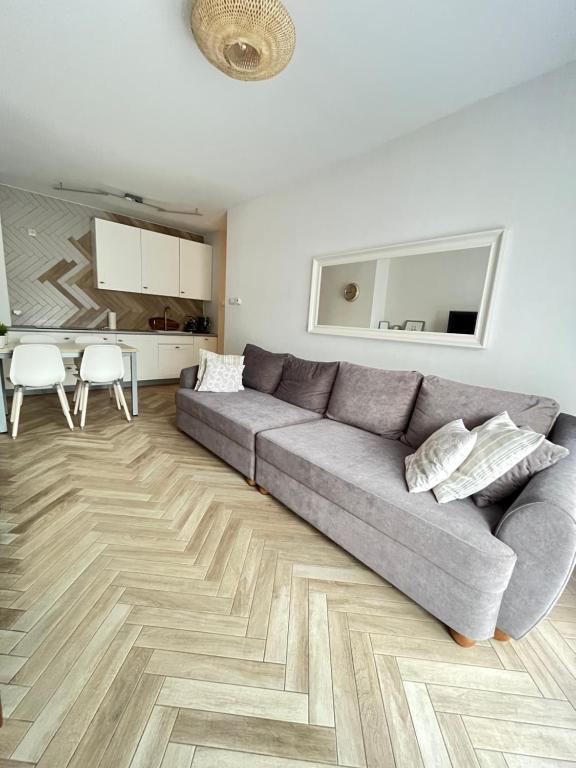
(441, 400)
(262, 369)
(372, 399)
(306, 383)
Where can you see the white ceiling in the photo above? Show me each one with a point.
(116, 94)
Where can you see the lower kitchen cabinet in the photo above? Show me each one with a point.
(210, 343)
(147, 358)
(172, 358)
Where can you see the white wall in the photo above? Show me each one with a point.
(333, 308)
(508, 161)
(4, 301)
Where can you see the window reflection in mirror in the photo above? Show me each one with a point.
(438, 291)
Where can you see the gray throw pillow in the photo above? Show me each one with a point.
(441, 400)
(307, 384)
(262, 369)
(516, 478)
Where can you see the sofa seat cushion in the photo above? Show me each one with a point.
(241, 415)
(364, 473)
(441, 400)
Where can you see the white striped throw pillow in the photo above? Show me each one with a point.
(205, 355)
(500, 445)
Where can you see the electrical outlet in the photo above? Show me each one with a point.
(234, 300)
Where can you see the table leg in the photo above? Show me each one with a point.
(4, 408)
(134, 383)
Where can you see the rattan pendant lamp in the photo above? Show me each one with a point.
(245, 39)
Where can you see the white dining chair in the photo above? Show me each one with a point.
(101, 364)
(36, 365)
(38, 338)
(74, 369)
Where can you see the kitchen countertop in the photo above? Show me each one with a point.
(147, 332)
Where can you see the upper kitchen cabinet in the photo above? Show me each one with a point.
(160, 263)
(143, 261)
(118, 256)
(195, 270)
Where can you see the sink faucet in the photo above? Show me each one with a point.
(166, 310)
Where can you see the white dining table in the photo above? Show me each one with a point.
(69, 351)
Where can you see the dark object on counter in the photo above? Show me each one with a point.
(157, 324)
(202, 325)
(190, 326)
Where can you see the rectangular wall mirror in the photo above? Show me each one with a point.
(430, 291)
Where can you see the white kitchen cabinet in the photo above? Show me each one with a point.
(118, 256)
(142, 261)
(195, 270)
(147, 357)
(209, 343)
(173, 357)
(160, 263)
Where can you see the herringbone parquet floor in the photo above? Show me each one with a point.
(158, 612)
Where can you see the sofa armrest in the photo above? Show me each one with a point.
(540, 526)
(188, 377)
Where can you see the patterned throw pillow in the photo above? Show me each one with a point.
(205, 355)
(221, 377)
(517, 477)
(500, 445)
(439, 456)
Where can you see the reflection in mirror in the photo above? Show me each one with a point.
(439, 289)
(439, 292)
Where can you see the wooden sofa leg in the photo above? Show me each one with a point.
(465, 642)
(501, 636)
(251, 483)
(263, 491)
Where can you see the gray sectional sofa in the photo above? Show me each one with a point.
(340, 466)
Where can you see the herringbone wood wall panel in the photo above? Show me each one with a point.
(51, 277)
(159, 613)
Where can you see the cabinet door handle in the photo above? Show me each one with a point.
(101, 282)
(145, 287)
(182, 291)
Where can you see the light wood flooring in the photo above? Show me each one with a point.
(156, 612)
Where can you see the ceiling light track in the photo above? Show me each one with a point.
(129, 197)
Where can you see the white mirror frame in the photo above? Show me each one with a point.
(492, 238)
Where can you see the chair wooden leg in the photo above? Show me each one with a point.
(123, 400)
(250, 482)
(118, 404)
(465, 642)
(14, 401)
(19, 397)
(84, 404)
(263, 491)
(501, 636)
(65, 405)
(78, 393)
